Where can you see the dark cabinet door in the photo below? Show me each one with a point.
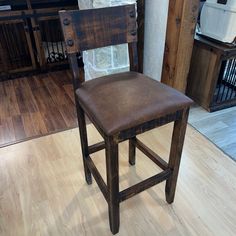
(16, 51)
(49, 39)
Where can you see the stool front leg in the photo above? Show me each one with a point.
(84, 141)
(132, 151)
(112, 166)
(175, 155)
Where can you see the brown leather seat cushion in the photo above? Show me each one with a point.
(121, 101)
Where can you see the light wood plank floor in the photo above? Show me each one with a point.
(43, 192)
(219, 127)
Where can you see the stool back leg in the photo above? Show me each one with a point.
(84, 141)
(112, 166)
(132, 151)
(175, 155)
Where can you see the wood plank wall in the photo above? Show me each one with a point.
(182, 18)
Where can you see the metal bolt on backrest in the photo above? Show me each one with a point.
(66, 21)
(70, 42)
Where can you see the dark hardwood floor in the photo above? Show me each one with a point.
(36, 106)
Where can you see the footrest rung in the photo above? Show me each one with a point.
(148, 183)
(151, 155)
(96, 147)
(100, 182)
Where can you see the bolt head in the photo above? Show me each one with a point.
(66, 21)
(132, 14)
(70, 42)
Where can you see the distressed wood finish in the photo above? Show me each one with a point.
(206, 74)
(96, 147)
(111, 26)
(205, 67)
(182, 19)
(84, 142)
(175, 155)
(112, 167)
(152, 124)
(140, 22)
(132, 151)
(133, 57)
(114, 28)
(144, 185)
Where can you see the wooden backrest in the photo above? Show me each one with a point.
(95, 28)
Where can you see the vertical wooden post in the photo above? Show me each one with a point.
(175, 155)
(140, 20)
(84, 141)
(182, 18)
(112, 166)
(132, 151)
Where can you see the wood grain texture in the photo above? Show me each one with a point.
(201, 85)
(181, 25)
(219, 127)
(206, 74)
(176, 149)
(35, 106)
(141, 30)
(112, 170)
(43, 192)
(106, 27)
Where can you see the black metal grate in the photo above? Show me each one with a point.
(14, 45)
(226, 86)
(53, 42)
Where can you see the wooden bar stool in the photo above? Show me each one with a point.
(123, 105)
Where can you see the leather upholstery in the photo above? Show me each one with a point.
(125, 100)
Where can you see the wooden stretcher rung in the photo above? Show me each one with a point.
(97, 177)
(96, 147)
(152, 155)
(150, 182)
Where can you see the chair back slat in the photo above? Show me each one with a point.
(133, 57)
(95, 28)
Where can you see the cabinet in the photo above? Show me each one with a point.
(16, 49)
(212, 77)
(31, 38)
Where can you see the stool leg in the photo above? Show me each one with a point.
(175, 155)
(132, 151)
(112, 167)
(84, 141)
